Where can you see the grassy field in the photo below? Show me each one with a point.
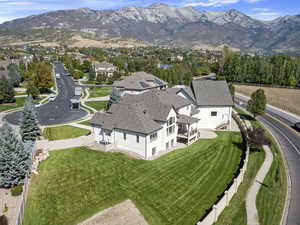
(176, 189)
(271, 197)
(86, 123)
(100, 92)
(98, 105)
(19, 103)
(63, 132)
(287, 99)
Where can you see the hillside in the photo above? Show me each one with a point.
(163, 24)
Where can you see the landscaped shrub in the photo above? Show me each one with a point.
(3, 220)
(16, 191)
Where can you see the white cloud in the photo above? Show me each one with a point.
(265, 14)
(253, 1)
(260, 9)
(214, 3)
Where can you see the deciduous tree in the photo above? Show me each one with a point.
(257, 104)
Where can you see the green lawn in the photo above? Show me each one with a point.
(270, 199)
(21, 93)
(235, 213)
(99, 92)
(176, 189)
(87, 123)
(98, 105)
(63, 132)
(19, 103)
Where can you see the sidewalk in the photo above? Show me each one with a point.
(105, 98)
(66, 143)
(252, 215)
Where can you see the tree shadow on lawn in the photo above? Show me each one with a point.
(246, 117)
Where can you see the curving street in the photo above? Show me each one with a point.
(59, 110)
(280, 124)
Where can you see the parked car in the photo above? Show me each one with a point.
(37, 105)
(297, 126)
(52, 98)
(57, 75)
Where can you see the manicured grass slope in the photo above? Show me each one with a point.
(100, 92)
(235, 213)
(98, 105)
(63, 132)
(177, 188)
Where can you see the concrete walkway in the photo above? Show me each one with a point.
(252, 215)
(85, 99)
(81, 126)
(104, 98)
(120, 214)
(66, 143)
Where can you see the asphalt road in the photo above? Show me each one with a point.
(59, 110)
(280, 124)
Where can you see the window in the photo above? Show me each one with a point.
(153, 136)
(171, 120)
(154, 151)
(213, 113)
(137, 138)
(172, 142)
(167, 145)
(124, 136)
(170, 130)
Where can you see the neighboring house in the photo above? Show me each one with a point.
(152, 122)
(104, 68)
(138, 83)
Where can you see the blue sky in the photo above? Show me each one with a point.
(260, 9)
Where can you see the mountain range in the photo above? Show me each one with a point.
(163, 24)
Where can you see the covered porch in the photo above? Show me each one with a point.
(187, 129)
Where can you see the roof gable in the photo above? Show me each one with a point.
(211, 93)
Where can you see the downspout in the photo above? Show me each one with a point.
(146, 147)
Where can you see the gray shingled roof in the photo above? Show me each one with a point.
(132, 117)
(186, 119)
(139, 81)
(159, 102)
(157, 109)
(211, 93)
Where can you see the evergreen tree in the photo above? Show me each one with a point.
(14, 75)
(257, 104)
(15, 158)
(7, 93)
(232, 90)
(92, 74)
(32, 90)
(29, 128)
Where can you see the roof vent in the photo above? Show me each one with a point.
(145, 111)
